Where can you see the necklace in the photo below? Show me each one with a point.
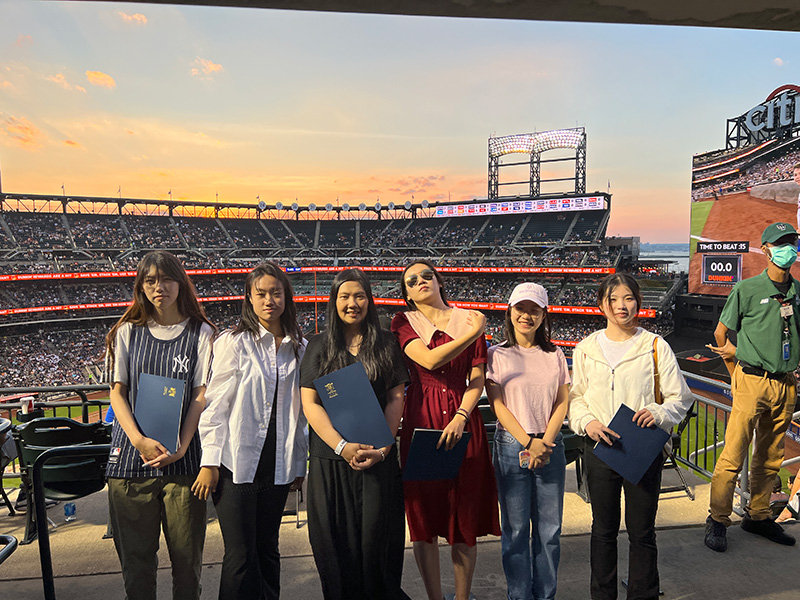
(354, 346)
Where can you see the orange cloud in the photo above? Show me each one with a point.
(134, 19)
(72, 144)
(206, 67)
(21, 132)
(100, 79)
(22, 40)
(62, 81)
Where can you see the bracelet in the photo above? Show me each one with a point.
(339, 447)
(463, 413)
(383, 456)
(530, 441)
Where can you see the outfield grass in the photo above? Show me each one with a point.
(699, 217)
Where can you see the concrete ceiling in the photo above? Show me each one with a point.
(744, 14)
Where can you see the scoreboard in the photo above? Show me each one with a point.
(510, 207)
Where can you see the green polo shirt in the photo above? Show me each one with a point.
(755, 315)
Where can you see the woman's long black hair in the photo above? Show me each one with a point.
(141, 310)
(375, 352)
(249, 321)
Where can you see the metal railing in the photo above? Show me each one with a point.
(704, 436)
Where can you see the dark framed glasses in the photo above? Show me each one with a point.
(412, 281)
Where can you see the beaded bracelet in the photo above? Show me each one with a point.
(383, 456)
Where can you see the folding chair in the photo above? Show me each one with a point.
(75, 472)
(65, 479)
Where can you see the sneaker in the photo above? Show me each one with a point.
(769, 529)
(716, 535)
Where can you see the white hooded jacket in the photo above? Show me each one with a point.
(598, 390)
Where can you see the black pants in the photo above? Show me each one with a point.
(250, 519)
(641, 505)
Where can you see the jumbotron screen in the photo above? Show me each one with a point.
(739, 190)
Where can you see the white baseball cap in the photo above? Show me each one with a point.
(529, 291)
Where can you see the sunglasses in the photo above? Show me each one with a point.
(427, 275)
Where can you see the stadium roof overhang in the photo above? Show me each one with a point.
(779, 15)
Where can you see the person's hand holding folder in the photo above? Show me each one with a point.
(452, 433)
(600, 433)
(644, 418)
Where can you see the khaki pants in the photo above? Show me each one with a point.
(139, 507)
(764, 405)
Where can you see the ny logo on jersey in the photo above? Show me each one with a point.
(181, 364)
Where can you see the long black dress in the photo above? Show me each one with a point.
(356, 521)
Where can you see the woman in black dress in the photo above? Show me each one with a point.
(355, 493)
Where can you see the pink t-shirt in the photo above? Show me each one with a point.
(529, 378)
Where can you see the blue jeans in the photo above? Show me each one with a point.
(531, 507)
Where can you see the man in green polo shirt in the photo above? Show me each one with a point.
(765, 312)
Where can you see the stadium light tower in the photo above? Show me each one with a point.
(534, 144)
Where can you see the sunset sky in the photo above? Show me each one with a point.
(319, 106)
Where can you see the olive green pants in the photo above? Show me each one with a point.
(139, 508)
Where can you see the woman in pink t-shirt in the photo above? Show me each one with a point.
(527, 382)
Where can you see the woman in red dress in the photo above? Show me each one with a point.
(446, 356)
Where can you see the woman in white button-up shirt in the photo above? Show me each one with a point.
(254, 434)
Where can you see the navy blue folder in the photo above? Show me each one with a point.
(353, 407)
(637, 448)
(426, 463)
(158, 408)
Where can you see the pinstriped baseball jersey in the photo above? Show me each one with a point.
(176, 358)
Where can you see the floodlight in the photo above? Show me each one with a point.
(425, 204)
(295, 206)
(279, 205)
(407, 205)
(329, 207)
(377, 206)
(312, 206)
(345, 207)
(362, 207)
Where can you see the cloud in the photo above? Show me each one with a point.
(23, 40)
(100, 79)
(21, 132)
(62, 81)
(134, 19)
(204, 69)
(778, 62)
(72, 144)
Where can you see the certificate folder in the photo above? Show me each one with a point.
(158, 408)
(352, 406)
(637, 448)
(426, 463)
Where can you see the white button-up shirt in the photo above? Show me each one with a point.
(239, 404)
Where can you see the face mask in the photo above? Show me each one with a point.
(783, 256)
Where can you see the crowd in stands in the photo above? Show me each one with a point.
(94, 232)
(202, 233)
(51, 356)
(38, 230)
(763, 171)
(152, 232)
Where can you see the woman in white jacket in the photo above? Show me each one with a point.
(612, 367)
(253, 433)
